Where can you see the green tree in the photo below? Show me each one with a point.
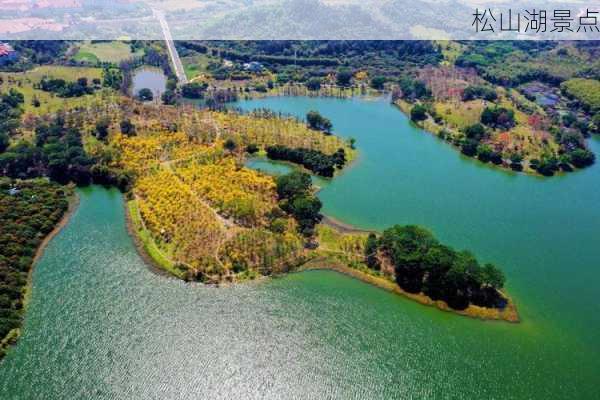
(313, 84)
(252, 148)
(475, 132)
(305, 209)
(378, 82)
(4, 141)
(127, 127)
(418, 113)
(101, 131)
(371, 245)
(293, 184)
(317, 122)
(145, 94)
(582, 158)
(169, 97)
(492, 276)
(230, 145)
(344, 77)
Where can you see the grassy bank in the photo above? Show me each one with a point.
(145, 245)
(508, 314)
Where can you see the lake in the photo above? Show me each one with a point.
(101, 325)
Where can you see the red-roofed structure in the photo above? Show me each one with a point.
(7, 53)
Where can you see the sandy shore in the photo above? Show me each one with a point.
(342, 227)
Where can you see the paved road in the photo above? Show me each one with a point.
(175, 60)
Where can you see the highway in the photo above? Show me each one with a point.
(175, 60)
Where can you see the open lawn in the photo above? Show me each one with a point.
(113, 52)
(462, 114)
(24, 82)
(195, 65)
(587, 91)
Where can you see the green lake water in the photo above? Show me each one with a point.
(100, 325)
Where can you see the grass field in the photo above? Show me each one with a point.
(24, 82)
(150, 247)
(462, 114)
(586, 91)
(113, 52)
(195, 65)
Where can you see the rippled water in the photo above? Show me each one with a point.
(100, 325)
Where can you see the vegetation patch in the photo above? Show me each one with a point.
(106, 52)
(29, 211)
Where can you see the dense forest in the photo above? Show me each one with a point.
(29, 210)
(301, 61)
(313, 160)
(423, 265)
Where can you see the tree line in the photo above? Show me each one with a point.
(313, 160)
(29, 210)
(423, 265)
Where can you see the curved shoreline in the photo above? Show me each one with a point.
(12, 336)
(148, 260)
(509, 314)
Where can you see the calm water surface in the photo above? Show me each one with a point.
(100, 325)
(149, 77)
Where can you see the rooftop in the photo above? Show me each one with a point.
(5, 49)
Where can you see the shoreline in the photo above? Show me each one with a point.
(508, 314)
(73, 206)
(343, 227)
(152, 265)
(404, 107)
(13, 336)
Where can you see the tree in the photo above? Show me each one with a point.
(145, 94)
(293, 184)
(378, 82)
(475, 132)
(305, 209)
(596, 122)
(169, 97)
(127, 127)
(582, 158)
(484, 152)
(313, 84)
(317, 122)
(371, 252)
(344, 77)
(252, 148)
(498, 117)
(194, 90)
(4, 141)
(418, 113)
(101, 131)
(479, 92)
(230, 145)
(469, 147)
(492, 276)
(515, 162)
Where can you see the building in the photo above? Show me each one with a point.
(7, 53)
(253, 66)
